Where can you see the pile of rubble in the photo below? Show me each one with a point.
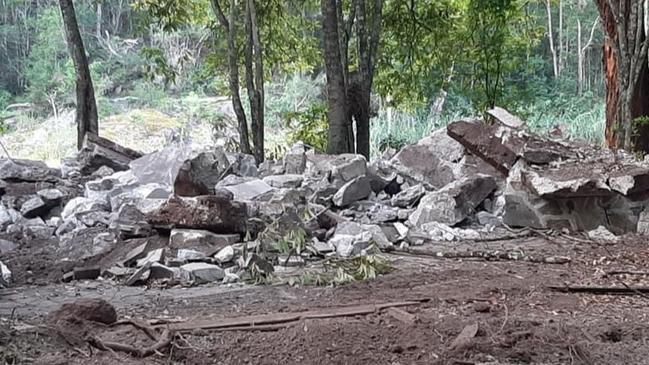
(186, 216)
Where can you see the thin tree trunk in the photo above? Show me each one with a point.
(560, 56)
(233, 66)
(86, 118)
(338, 141)
(255, 80)
(555, 62)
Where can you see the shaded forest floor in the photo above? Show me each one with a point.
(519, 319)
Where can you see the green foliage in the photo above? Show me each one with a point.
(310, 127)
(344, 271)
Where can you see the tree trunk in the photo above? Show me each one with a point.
(86, 118)
(555, 61)
(255, 80)
(338, 141)
(627, 82)
(233, 66)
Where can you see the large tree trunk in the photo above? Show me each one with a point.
(625, 62)
(229, 26)
(86, 118)
(338, 141)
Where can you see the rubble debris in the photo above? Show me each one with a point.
(27, 171)
(601, 234)
(357, 189)
(453, 203)
(408, 197)
(226, 254)
(505, 117)
(290, 181)
(202, 272)
(249, 190)
(295, 160)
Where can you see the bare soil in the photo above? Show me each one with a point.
(519, 319)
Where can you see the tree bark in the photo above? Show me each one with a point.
(86, 118)
(627, 81)
(255, 80)
(338, 139)
(233, 65)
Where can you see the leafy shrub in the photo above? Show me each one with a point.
(310, 127)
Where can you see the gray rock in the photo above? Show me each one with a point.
(6, 246)
(284, 181)
(199, 175)
(130, 222)
(156, 255)
(249, 190)
(185, 254)
(51, 197)
(80, 205)
(357, 189)
(295, 160)
(26, 170)
(5, 274)
(453, 203)
(486, 218)
(340, 168)
(159, 271)
(243, 165)
(233, 180)
(408, 197)
(93, 218)
(348, 245)
(35, 207)
(643, 223)
(160, 167)
(203, 272)
(226, 254)
(98, 151)
(6, 217)
(231, 278)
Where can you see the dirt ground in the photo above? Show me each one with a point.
(507, 309)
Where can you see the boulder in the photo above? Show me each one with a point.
(501, 146)
(98, 151)
(27, 171)
(160, 167)
(216, 213)
(202, 272)
(408, 197)
(226, 254)
(453, 203)
(357, 189)
(199, 175)
(35, 207)
(249, 190)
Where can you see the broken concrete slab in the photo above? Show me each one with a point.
(357, 189)
(202, 272)
(453, 203)
(215, 213)
(198, 175)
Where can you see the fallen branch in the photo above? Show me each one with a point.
(603, 290)
(278, 319)
(148, 330)
(486, 255)
(162, 342)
